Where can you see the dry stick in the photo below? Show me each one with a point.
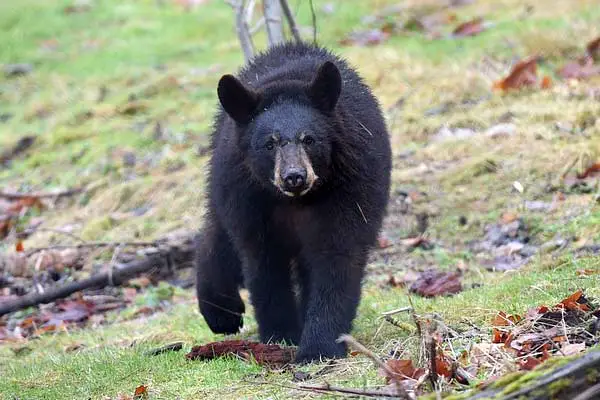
(290, 18)
(179, 256)
(359, 347)
(396, 311)
(92, 245)
(39, 195)
(326, 388)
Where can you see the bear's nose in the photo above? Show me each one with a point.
(294, 179)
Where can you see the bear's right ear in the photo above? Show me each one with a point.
(237, 100)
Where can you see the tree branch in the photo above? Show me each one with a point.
(291, 21)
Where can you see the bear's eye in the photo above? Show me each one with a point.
(308, 140)
(269, 145)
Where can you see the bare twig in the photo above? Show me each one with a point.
(400, 391)
(396, 311)
(273, 21)
(39, 195)
(241, 27)
(92, 245)
(326, 388)
(314, 21)
(285, 7)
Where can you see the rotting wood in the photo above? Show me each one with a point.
(565, 381)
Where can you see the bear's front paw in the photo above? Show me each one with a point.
(316, 352)
(224, 317)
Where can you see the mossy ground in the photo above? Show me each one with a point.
(104, 78)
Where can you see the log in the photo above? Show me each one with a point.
(558, 378)
(175, 257)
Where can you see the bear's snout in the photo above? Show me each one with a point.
(294, 180)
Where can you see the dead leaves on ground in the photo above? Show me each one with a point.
(586, 66)
(396, 20)
(270, 355)
(565, 329)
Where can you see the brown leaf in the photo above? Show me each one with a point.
(581, 69)
(443, 365)
(19, 247)
(574, 302)
(523, 74)
(402, 369)
(592, 170)
(437, 283)
(369, 37)
(141, 392)
(264, 354)
(593, 48)
(417, 242)
(587, 272)
(470, 28)
(529, 363)
(383, 242)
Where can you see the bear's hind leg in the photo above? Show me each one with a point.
(218, 279)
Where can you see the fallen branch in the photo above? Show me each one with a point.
(175, 257)
(579, 377)
(39, 195)
(92, 245)
(327, 388)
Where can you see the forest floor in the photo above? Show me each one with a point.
(495, 193)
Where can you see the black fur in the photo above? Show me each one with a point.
(318, 241)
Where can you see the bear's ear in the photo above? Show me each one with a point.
(325, 89)
(237, 100)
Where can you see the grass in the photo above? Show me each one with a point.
(103, 80)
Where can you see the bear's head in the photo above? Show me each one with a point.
(286, 129)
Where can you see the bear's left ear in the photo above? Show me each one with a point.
(237, 100)
(325, 89)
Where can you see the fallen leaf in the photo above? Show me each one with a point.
(383, 242)
(581, 69)
(432, 283)
(529, 363)
(443, 365)
(590, 171)
(568, 349)
(573, 303)
(141, 392)
(19, 247)
(593, 48)
(369, 37)
(417, 242)
(470, 28)
(402, 369)
(587, 272)
(264, 354)
(523, 74)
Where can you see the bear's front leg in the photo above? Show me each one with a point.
(268, 279)
(219, 276)
(333, 297)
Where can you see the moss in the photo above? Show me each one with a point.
(558, 386)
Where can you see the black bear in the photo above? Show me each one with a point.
(298, 187)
